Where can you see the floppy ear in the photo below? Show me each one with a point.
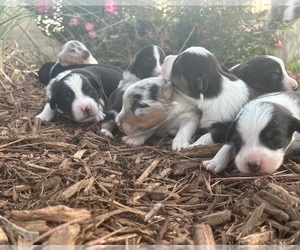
(201, 84)
(95, 80)
(166, 91)
(240, 71)
(85, 54)
(52, 102)
(230, 131)
(296, 125)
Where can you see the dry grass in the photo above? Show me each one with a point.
(73, 186)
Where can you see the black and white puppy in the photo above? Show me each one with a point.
(264, 131)
(265, 74)
(110, 75)
(146, 63)
(153, 107)
(219, 94)
(78, 93)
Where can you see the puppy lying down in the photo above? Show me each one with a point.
(78, 93)
(264, 131)
(153, 107)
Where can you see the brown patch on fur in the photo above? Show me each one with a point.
(146, 121)
(181, 84)
(67, 59)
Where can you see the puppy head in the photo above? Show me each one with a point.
(144, 106)
(265, 74)
(260, 135)
(147, 62)
(76, 95)
(196, 71)
(166, 67)
(73, 52)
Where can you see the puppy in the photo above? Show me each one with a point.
(78, 93)
(75, 52)
(219, 94)
(153, 107)
(110, 75)
(264, 131)
(265, 74)
(146, 63)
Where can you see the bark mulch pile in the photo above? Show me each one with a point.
(64, 183)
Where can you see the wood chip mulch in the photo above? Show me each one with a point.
(64, 183)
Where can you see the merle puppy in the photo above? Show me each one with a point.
(146, 63)
(264, 131)
(78, 93)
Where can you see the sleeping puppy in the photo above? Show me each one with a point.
(146, 63)
(153, 107)
(110, 75)
(265, 74)
(78, 93)
(75, 52)
(219, 94)
(264, 131)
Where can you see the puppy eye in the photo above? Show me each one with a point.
(273, 139)
(138, 105)
(72, 51)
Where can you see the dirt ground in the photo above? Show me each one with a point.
(64, 183)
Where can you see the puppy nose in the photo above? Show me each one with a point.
(253, 166)
(86, 110)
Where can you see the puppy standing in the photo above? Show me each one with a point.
(264, 131)
(146, 63)
(78, 93)
(153, 107)
(218, 94)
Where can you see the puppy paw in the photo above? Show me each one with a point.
(213, 165)
(205, 139)
(100, 116)
(179, 143)
(44, 117)
(133, 140)
(107, 133)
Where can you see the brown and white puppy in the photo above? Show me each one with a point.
(153, 107)
(78, 93)
(146, 63)
(264, 131)
(75, 52)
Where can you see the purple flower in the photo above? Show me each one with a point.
(43, 6)
(110, 7)
(74, 21)
(89, 26)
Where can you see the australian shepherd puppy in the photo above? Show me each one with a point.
(146, 63)
(263, 132)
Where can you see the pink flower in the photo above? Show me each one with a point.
(279, 44)
(89, 26)
(292, 75)
(74, 21)
(149, 33)
(92, 34)
(110, 7)
(43, 6)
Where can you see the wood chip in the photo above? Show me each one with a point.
(58, 213)
(74, 189)
(256, 238)
(216, 219)
(203, 235)
(147, 172)
(65, 236)
(3, 237)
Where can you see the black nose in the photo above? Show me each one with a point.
(87, 110)
(253, 166)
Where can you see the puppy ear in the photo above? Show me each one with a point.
(85, 54)
(296, 125)
(52, 102)
(201, 84)
(240, 71)
(166, 92)
(230, 131)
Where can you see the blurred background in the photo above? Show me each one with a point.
(115, 30)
